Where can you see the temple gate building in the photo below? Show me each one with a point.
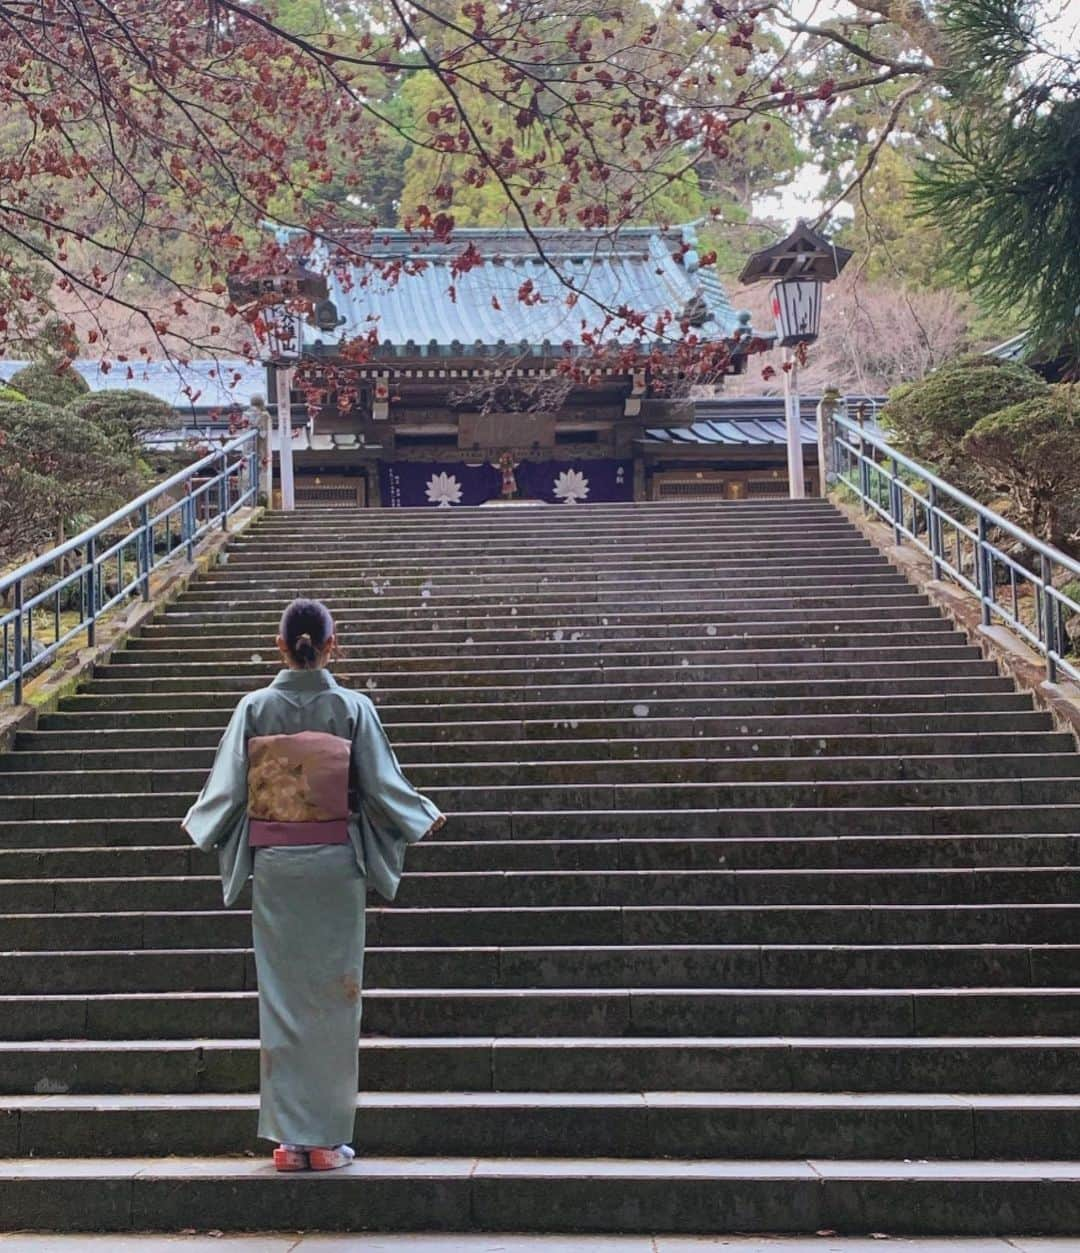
(464, 381)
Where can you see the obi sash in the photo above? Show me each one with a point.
(298, 789)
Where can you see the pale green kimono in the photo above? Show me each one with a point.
(308, 902)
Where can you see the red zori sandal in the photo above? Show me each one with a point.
(292, 1157)
(330, 1159)
(288, 1158)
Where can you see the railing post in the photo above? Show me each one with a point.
(146, 551)
(18, 647)
(1050, 617)
(91, 591)
(896, 503)
(187, 524)
(826, 440)
(223, 490)
(253, 460)
(934, 524)
(984, 575)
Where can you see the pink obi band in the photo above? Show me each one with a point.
(262, 834)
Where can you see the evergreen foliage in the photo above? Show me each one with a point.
(55, 469)
(126, 417)
(930, 418)
(1006, 186)
(49, 383)
(1031, 450)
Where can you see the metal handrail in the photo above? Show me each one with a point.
(202, 496)
(961, 548)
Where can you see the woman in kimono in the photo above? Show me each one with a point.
(306, 796)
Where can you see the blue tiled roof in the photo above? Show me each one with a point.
(745, 421)
(416, 315)
(213, 384)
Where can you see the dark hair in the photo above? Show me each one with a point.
(305, 627)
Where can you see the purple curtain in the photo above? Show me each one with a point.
(435, 484)
(600, 480)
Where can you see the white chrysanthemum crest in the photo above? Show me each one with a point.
(444, 490)
(571, 486)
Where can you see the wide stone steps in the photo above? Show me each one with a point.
(41, 752)
(511, 639)
(556, 774)
(699, 664)
(541, 736)
(569, 966)
(595, 925)
(440, 1011)
(538, 1124)
(759, 880)
(577, 1194)
(173, 854)
(979, 1064)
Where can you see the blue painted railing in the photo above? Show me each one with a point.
(113, 560)
(964, 541)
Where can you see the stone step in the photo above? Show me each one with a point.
(341, 568)
(510, 638)
(571, 1012)
(614, 966)
(263, 594)
(558, 826)
(245, 609)
(618, 680)
(690, 1125)
(107, 854)
(683, 771)
(499, 889)
(573, 703)
(950, 1064)
(594, 800)
(88, 753)
(167, 650)
(699, 663)
(544, 1195)
(597, 926)
(529, 737)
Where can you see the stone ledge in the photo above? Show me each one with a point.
(996, 643)
(43, 694)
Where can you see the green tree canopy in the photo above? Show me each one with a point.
(1006, 185)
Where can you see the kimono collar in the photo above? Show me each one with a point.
(304, 680)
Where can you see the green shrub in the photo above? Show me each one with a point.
(125, 417)
(50, 383)
(8, 395)
(1031, 451)
(929, 419)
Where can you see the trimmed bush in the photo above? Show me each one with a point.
(1031, 450)
(929, 419)
(126, 417)
(50, 383)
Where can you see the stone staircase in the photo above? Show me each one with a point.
(758, 909)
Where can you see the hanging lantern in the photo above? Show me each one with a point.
(796, 310)
(800, 263)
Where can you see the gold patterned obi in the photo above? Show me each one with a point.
(298, 789)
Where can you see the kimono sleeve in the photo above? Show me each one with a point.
(223, 801)
(392, 812)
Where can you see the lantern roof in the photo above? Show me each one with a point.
(803, 254)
